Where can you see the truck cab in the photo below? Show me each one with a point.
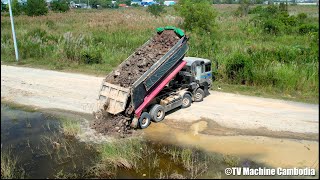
(196, 76)
(200, 69)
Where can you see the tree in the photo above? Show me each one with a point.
(4, 7)
(36, 8)
(128, 2)
(161, 2)
(105, 3)
(243, 9)
(60, 6)
(94, 3)
(198, 15)
(216, 2)
(259, 1)
(283, 7)
(229, 1)
(156, 9)
(16, 7)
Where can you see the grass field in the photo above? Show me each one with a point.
(96, 41)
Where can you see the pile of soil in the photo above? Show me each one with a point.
(143, 59)
(108, 124)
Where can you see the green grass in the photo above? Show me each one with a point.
(18, 106)
(266, 92)
(137, 156)
(199, 163)
(281, 66)
(9, 169)
(231, 161)
(70, 127)
(122, 153)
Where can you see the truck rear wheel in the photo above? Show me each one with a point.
(186, 101)
(198, 95)
(157, 113)
(144, 120)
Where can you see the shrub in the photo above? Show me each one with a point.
(156, 10)
(273, 20)
(36, 8)
(283, 7)
(256, 10)
(286, 19)
(197, 15)
(95, 4)
(128, 2)
(72, 47)
(135, 5)
(307, 28)
(30, 48)
(38, 33)
(272, 26)
(91, 55)
(4, 7)
(32, 44)
(270, 10)
(106, 4)
(243, 9)
(16, 8)
(59, 6)
(291, 21)
(239, 69)
(302, 16)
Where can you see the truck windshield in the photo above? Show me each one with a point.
(186, 68)
(208, 67)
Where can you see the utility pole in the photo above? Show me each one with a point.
(13, 32)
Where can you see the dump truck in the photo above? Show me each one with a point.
(171, 82)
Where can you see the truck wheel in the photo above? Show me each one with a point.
(186, 101)
(157, 113)
(198, 95)
(144, 120)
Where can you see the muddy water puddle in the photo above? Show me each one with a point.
(35, 139)
(276, 152)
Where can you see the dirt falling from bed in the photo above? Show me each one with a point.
(114, 125)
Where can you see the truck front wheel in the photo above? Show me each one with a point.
(198, 95)
(157, 113)
(186, 101)
(144, 120)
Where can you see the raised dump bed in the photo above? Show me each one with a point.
(126, 87)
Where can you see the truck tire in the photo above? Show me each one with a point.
(186, 101)
(198, 95)
(157, 113)
(144, 120)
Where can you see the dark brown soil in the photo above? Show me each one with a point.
(108, 124)
(143, 59)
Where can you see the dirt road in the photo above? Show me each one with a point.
(77, 92)
(204, 124)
